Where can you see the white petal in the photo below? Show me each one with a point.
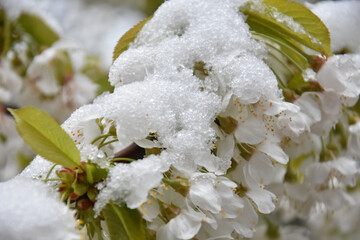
(274, 151)
(335, 198)
(251, 131)
(263, 200)
(233, 207)
(203, 193)
(309, 106)
(328, 76)
(329, 102)
(297, 191)
(318, 173)
(223, 231)
(341, 74)
(227, 182)
(260, 169)
(164, 233)
(225, 147)
(245, 223)
(346, 170)
(354, 139)
(185, 225)
(275, 107)
(213, 163)
(323, 127)
(149, 212)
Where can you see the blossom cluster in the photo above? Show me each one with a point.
(45, 69)
(203, 138)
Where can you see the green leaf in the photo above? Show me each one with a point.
(38, 29)
(5, 33)
(150, 6)
(123, 223)
(311, 23)
(297, 83)
(127, 38)
(313, 35)
(285, 48)
(94, 174)
(46, 137)
(3, 138)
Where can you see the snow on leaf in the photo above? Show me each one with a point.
(290, 21)
(127, 38)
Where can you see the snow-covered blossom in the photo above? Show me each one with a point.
(197, 136)
(158, 95)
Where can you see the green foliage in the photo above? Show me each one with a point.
(316, 36)
(36, 38)
(46, 137)
(95, 174)
(3, 138)
(297, 82)
(93, 225)
(5, 33)
(299, 85)
(127, 38)
(123, 223)
(311, 23)
(38, 29)
(294, 37)
(151, 6)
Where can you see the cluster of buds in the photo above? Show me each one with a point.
(78, 186)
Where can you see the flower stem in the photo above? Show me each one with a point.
(51, 169)
(104, 144)
(52, 179)
(100, 137)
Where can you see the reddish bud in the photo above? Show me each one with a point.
(68, 170)
(73, 196)
(84, 204)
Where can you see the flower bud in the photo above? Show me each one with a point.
(65, 175)
(84, 204)
(73, 196)
(92, 193)
(80, 189)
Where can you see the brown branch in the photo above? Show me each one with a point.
(132, 151)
